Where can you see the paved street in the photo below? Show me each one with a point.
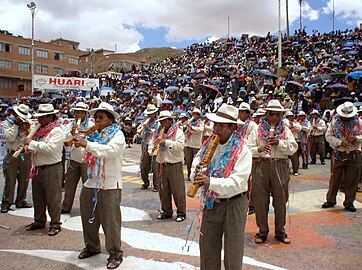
(321, 239)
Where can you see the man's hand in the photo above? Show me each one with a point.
(79, 141)
(202, 179)
(351, 138)
(160, 141)
(273, 141)
(27, 141)
(345, 143)
(265, 148)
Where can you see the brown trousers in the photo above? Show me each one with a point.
(346, 167)
(171, 185)
(189, 157)
(16, 170)
(146, 162)
(107, 212)
(317, 147)
(75, 172)
(270, 178)
(225, 219)
(47, 193)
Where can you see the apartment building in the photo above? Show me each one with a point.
(52, 58)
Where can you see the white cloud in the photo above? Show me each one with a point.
(348, 11)
(104, 23)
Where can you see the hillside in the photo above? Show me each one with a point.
(158, 54)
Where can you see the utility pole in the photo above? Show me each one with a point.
(32, 7)
(279, 38)
(333, 17)
(228, 27)
(287, 17)
(300, 15)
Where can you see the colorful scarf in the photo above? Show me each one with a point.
(96, 165)
(171, 134)
(40, 135)
(221, 165)
(147, 135)
(264, 129)
(195, 123)
(338, 127)
(244, 128)
(302, 136)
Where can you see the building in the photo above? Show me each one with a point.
(53, 58)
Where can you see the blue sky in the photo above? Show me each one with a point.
(130, 25)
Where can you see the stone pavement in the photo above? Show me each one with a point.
(321, 238)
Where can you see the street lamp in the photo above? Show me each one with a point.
(300, 15)
(32, 8)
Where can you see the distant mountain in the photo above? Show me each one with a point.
(158, 54)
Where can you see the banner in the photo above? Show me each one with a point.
(42, 82)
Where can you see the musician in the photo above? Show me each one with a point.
(317, 137)
(224, 185)
(303, 138)
(147, 129)
(100, 197)
(295, 127)
(244, 115)
(182, 121)
(344, 136)
(168, 167)
(47, 170)
(193, 140)
(208, 128)
(270, 151)
(16, 127)
(77, 168)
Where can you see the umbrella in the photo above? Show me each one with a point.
(179, 111)
(340, 101)
(216, 82)
(172, 88)
(355, 75)
(312, 87)
(199, 76)
(346, 49)
(300, 86)
(338, 75)
(264, 72)
(301, 68)
(357, 68)
(348, 44)
(338, 86)
(320, 78)
(352, 52)
(205, 87)
(128, 91)
(263, 61)
(166, 101)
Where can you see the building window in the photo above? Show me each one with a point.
(42, 69)
(24, 50)
(5, 64)
(86, 59)
(24, 66)
(5, 47)
(57, 71)
(73, 61)
(42, 54)
(58, 56)
(4, 83)
(73, 47)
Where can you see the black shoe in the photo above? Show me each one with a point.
(65, 212)
(283, 238)
(260, 238)
(323, 162)
(164, 216)
(350, 208)
(53, 231)
(144, 186)
(5, 208)
(34, 226)
(251, 211)
(86, 254)
(312, 162)
(155, 189)
(24, 204)
(327, 205)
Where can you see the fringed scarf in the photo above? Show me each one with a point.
(96, 165)
(302, 136)
(147, 135)
(171, 134)
(22, 130)
(221, 165)
(244, 128)
(40, 135)
(338, 127)
(195, 123)
(264, 129)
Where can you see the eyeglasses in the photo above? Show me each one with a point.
(273, 113)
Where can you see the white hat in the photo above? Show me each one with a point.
(45, 109)
(274, 105)
(301, 113)
(23, 111)
(289, 113)
(151, 109)
(183, 115)
(252, 93)
(239, 99)
(244, 106)
(225, 114)
(346, 110)
(105, 107)
(81, 106)
(359, 109)
(165, 115)
(196, 110)
(259, 112)
(127, 119)
(315, 112)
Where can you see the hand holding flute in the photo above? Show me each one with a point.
(26, 141)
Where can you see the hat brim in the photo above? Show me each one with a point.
(79, 109)
(164, 118)
(218, 119)
(93, 111)
(25, 116)
(346, 115)
(150, 112)
(43, 114)
(275, 109)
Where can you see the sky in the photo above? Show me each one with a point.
(127, 26)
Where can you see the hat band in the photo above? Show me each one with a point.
(274, 107)
(22, 112)
(347, 111)
(224, 115)
(52, 111)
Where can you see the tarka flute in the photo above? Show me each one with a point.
(157, 147)
(205, 161)
(30, 135)
(346, 134)
(84, 133)
(271, 135)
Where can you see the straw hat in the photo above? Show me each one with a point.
(289, 113)
(81, 106)
(151, 109)
(165, 115)
(225, 114)
(105, 107)
(196, 110)
(301, 113)
(244, 107)
(274, 105)
(346, 110)
(23, 111)
(314, 112)
(45, 109)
